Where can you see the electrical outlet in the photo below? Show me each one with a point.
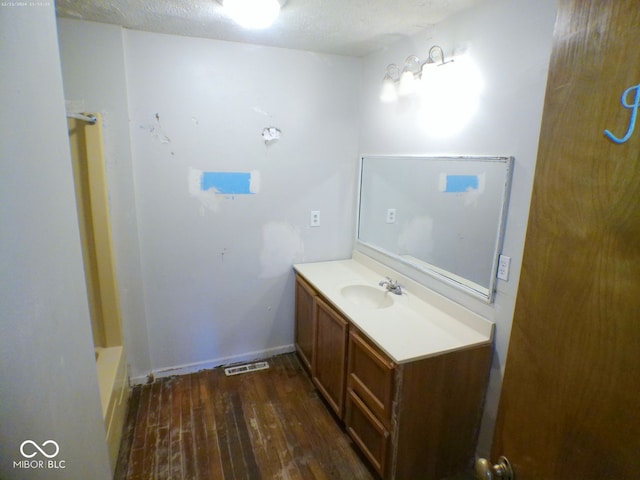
(315, 218)
(503, 267)
(391, 215)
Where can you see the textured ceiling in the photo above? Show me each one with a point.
(343, 27)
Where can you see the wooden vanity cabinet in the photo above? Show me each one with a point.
(304, 321)
(412, 420)
(330, 354)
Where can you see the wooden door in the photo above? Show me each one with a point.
(304, 322)
(570, 405)
(330, 355)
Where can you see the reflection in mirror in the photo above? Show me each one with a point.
(440, 215)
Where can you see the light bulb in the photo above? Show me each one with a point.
(389, 93)
(253, 14)
(408, 79)
(407, 83)
(450, 95)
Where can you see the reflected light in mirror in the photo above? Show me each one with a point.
(450, 95)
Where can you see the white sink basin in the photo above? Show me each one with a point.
(367, 296)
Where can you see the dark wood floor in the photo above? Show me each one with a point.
(268, 425)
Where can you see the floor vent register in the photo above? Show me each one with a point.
(249, 367)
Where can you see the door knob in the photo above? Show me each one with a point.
(501, 470)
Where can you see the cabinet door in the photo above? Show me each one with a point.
(329, 359)
(371, 375)
(304, 322)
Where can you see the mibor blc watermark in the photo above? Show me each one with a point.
(37, 457)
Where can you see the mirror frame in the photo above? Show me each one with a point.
(413, 269)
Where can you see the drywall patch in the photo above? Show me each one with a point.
(271, 135)
(282, 245)
(461, 183)
(231, 183)
(208, 199)
(469, 186)
(211, 188)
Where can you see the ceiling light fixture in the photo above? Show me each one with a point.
(406, 79)
(253, 14)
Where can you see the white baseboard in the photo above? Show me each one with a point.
(207, 364)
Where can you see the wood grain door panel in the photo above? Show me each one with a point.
(569, 404)
(304, 322)
(330, 355)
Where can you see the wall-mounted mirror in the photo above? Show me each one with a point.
(440, 215)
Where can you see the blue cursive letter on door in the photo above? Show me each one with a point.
(634, 112)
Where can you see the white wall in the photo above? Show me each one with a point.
(93, 70)
(48, 379)
(510, 42)
(217, 270)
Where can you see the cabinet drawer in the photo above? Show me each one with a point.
(367, 432)
(370, 376)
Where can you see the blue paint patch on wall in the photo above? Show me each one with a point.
(461, 183)
(230, 183)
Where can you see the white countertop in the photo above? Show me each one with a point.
(419, 324)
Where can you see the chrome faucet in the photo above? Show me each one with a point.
(392, 286)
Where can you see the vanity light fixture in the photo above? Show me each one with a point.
(389, 90)
(253, 14)
(403, 82)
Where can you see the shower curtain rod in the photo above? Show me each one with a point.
(78, 116)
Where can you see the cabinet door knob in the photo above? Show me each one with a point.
(501, 470)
